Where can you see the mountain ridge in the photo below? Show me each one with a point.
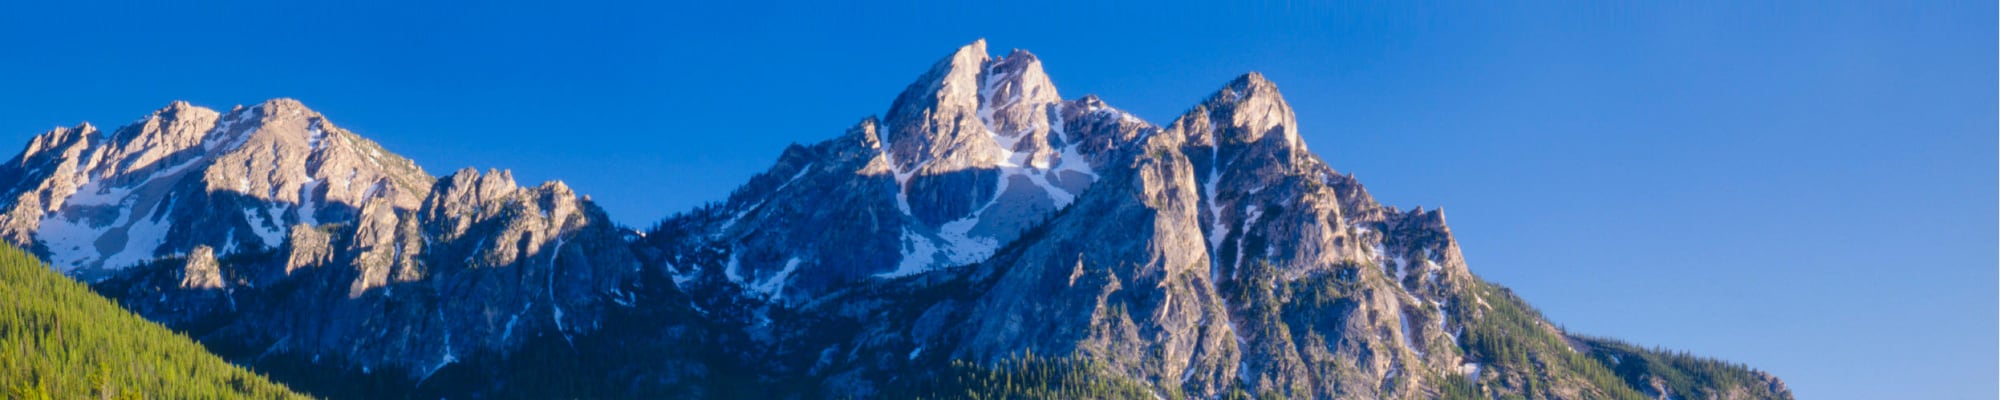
(980, 219)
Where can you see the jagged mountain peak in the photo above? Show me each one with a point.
(977, 151)
(1017, 102)
(958, 70)
(983, 218)
(481, 266)
(468, 188)
(491, 176)
(937, 119)
(969, 57)
(864, 133)
(176, 109)
(1245, 110)
(972, 111)
(185, 176)
(1016, 57)
(1433, 216)
(284, 105)
(53, 139)
(1091, 101)
(973, 153)
(1021, 73)
(1252, 80)
(177, 106)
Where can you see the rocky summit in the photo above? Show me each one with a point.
(984, 237)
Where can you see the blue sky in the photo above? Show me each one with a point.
(1805, 187)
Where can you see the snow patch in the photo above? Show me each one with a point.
(269, 230)
(729, 271)
(1252, 214)
(1072, 159)
(70, 243)
(1056, 194)
(902, 177)
(372, 189)
(1397, 267)
(232, 143)
(315, 135)
(141, 238)
(94, 192)
(73, 242)
(508, 331)
(308, 206)
(555, 303)
(760, 203)
(681, 278)
(962, 247)
(1218, 228)
(448, 358)
(773, 288)
(918, 253)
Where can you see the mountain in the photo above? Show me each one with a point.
(186, 176)
(481, 265)
(984, 231)
(285, 242)
(59, 340)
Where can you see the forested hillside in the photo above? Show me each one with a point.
(59, 340)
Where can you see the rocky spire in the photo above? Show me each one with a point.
(41, 178)
(185, 176)
(167, 137)
(1245, 111)
(201, 270)
(935, 126)
(1018, 103)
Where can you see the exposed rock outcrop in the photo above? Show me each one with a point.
(186, 176)
(1212, 255)
(983, 219)
(269, 229)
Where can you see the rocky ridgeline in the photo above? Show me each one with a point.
(270, 228)
(1209, 255)
(186, 176)
(981, 219)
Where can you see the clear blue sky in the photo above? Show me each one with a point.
(1806, 187)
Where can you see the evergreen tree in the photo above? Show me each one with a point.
(59, 340)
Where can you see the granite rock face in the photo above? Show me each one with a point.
(982, 218)
(985, 218)
(268, 228)
(482, 266)
(186, 176)
(974, 153)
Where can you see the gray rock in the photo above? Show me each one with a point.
(984, 218)
(270, 228)
(186, 176)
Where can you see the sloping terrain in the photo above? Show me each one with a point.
(1209, 256)
(983, 238)
(60, 340)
